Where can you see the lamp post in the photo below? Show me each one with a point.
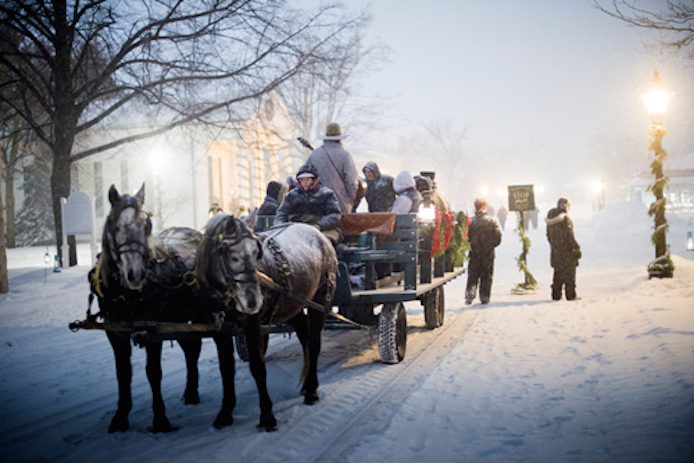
(656, 99)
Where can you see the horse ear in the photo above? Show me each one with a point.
(140, 195)
(113, 195)
(251, 219)
(230, 227)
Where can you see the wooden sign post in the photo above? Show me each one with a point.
(521, 198)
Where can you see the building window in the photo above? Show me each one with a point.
(98, 190)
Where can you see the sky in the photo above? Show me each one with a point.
(540, 85)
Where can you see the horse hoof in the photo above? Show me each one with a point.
(268, 423)
(161, 425)
(191, 398)
(118, 425)
(311, 398)
(222, 421)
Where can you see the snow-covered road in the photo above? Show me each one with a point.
(606, 378)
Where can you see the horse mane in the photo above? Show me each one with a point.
(206, 246)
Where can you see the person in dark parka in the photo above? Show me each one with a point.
(565, 251)
(312, 203)
(484, 235)
(380, 194)
(273, 198)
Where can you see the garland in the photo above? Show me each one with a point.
(662, 266)
(530, 283)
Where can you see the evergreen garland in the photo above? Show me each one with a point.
(662, 266)
(530, 283)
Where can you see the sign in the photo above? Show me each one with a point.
(78, 219)
(521, 198)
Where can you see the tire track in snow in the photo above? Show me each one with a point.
(367, 399)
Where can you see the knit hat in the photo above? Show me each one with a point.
(307, 170)
(273, 189)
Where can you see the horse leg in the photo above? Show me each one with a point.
(191, 349)
(253, 330)
(121, 351)
(161, 422)
(316, 323)
(225, 353)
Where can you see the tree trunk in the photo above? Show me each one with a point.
(4, 281)
(11, 236)
(64, 124)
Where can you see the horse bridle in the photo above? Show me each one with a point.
(223, 241)
(130, 245)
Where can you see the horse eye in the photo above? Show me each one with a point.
(116, 229)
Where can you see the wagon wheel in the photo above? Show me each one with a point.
(242, 346)
(434, 304)
(392, 332)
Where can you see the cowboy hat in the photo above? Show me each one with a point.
(333, 132)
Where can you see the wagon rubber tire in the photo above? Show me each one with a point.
(434, 304)
(392, 332)
(242, 346)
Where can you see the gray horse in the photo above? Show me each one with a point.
(295, 256)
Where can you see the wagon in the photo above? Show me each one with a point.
(393, 251)
(374, 242)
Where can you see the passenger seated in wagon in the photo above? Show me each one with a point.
(312, 203)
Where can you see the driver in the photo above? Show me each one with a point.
(312, 203)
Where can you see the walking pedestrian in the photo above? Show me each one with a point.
(565, 251)
(501, 215)
(484, 235)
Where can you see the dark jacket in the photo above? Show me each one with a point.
(269, 206)
(565, 251)
(318, 207)
(484, 235)
(380, 194)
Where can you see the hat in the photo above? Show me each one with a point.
(333, 132)
(563, 203)
(307, 170)
(428, 173)
(480, 204)
(274, 189)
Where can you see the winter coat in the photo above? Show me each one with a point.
(380, 194)
(269, 206)
(409, 198)
(484, 235)
(336, 171)
(318, 206)
(565, 251)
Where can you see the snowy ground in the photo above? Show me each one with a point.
(606, 378)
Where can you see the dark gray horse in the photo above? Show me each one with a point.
(295, 256)
(143, 278)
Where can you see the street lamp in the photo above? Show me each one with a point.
(656, 99)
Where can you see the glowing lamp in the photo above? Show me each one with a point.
(47, 258)
(690, 242)
(656, 99)
(427, 212)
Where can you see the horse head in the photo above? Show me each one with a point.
(125, 236)
(227, 261)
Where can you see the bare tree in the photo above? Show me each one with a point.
(80, 64)
(674, 21)
(329, 90)
(440, 147)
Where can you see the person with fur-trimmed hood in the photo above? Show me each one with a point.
(565, 251)
(273, 198)
(312, 203)
(484, 235)
(380, 194)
